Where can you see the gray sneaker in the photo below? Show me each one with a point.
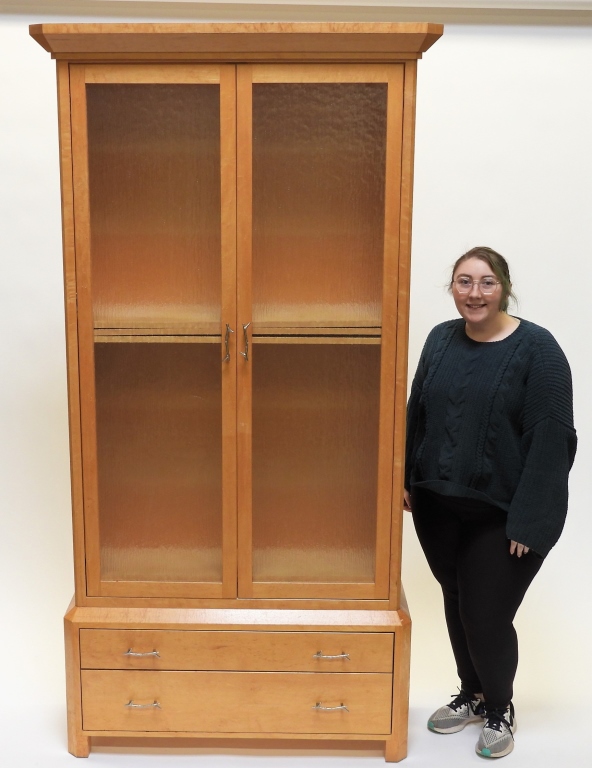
(453, 717)
(497, 737)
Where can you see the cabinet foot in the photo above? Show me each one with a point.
(395, 750)
(79, 745)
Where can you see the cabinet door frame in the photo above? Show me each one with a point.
(224, 75)
(394, 76)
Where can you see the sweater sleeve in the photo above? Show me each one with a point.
(539, 505)
(413, 407)
(414, 402)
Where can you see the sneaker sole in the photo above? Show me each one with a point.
(454, 728)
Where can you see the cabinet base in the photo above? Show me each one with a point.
(79, 745)
(224, 657)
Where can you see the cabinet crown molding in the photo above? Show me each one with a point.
(343, 40)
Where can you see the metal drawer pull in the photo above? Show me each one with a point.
(318, 705)
(321, 655)
(229, 330)
(154, 705)
(148, 653)
(245, 354)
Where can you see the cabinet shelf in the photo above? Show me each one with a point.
(169, 339)
(316, 339)
(318, 329)
(171, 329)
(260, 335)
(119, 338)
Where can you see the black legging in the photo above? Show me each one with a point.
(466, 547)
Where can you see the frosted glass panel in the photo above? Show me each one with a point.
(318, 202)
(315, 448)
(154, 167)
(159, 428)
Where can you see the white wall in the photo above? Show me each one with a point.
(504, 121)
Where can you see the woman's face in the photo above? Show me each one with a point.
(475, 307)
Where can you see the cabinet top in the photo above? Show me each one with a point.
(238, 42)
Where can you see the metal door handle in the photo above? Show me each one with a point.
(148, 653)
(321, 655)
(319, 706)
(245, 354)
(154, 705)
(229, 330)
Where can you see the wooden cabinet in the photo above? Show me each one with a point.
(236, 209)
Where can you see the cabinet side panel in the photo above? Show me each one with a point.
(402, 327)
(68, 239)
(85, 323)
(392, 207)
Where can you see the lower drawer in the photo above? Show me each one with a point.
(236, 702)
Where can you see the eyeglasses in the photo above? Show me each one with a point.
(486, 285)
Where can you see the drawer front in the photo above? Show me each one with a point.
(236, 651)
(236, 702)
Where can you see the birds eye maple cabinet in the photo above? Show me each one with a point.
(236, 226)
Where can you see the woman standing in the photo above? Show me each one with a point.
(490, 442)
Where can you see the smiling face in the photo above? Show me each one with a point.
(476, 308)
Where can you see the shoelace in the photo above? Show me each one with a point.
(462, 698)
(495, 719)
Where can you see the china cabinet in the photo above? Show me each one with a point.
(236, 225)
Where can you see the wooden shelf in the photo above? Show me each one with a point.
(262, 333)
(122, 338)
(326, 329)
(287, 339)
(171, 329)
(316, 339)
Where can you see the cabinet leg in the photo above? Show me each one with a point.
(79, 745)
(396, 746)
(395, 750)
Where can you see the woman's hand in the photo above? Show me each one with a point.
(406, 500)
(519, 549)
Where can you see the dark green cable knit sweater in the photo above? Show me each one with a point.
(494, 421)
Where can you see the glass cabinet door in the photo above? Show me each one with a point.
(319, 176)
(154, 179)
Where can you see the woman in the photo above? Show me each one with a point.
(490, 442)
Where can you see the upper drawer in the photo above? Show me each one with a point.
(244, 651)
